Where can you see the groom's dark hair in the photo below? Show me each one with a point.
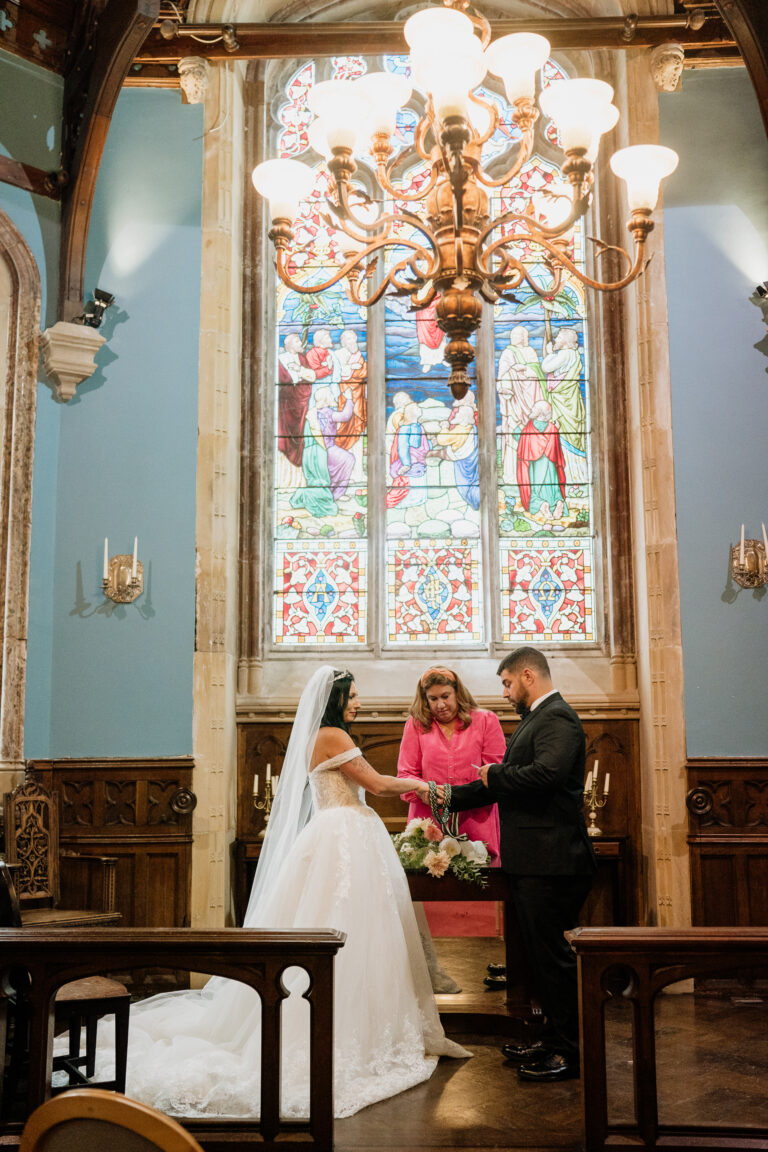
(333, 717)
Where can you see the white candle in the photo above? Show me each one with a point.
(588, 785)
(269, 773)
(741, 548)
(106, 558)
(135, 556)
(765, 543)
(607, 783)
(255, 783)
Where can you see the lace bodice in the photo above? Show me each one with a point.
(331, 788)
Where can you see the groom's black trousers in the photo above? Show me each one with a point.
(547, 907)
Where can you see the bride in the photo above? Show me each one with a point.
(327, 862)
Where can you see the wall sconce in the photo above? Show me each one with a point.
(749, 561)
(93, 312)
(123, 577)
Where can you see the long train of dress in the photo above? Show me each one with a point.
(198, 1053)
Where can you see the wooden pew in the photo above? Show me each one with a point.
(636, 964)
(57, 956)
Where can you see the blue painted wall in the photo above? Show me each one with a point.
(30, 99)
(716, 237)
(122, 675)
(120, 458)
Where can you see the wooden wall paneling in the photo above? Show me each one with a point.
(128, 809)
(728, 841)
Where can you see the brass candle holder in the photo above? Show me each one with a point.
(263, 802)
(593, 800)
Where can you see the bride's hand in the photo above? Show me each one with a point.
(421, 788)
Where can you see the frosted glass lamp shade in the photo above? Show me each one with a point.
(576, 107)
(386, 93)
(516, 59)
(644, 166)
(285, 183)
(607, 119)
(450, 76)
(438, 30)
(343, 110)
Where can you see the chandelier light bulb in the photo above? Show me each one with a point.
(438, 30)
(386, 94)
(576, 106)
(284, 183)
(342, 109)
(516, 59)
(644, 166)
(450, 76)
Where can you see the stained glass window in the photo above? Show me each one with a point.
(445, 511)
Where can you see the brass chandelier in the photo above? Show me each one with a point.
(451, 247)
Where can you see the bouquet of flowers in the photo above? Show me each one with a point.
(423, 847)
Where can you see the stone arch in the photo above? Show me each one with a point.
(20, 293)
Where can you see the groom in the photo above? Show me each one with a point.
(544, 849)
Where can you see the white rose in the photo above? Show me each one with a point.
(406, 850)
(474, 851)
(450, 846)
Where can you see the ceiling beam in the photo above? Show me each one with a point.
(91, 87)
(169, 42)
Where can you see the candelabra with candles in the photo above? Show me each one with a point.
(444, 242)
(749, 561)
(593, 799)
(123, 575)
(264, 803)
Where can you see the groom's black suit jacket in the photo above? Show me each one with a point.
(539, 789)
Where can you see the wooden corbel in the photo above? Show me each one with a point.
(103, 55)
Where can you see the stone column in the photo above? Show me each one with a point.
(657, 591)
(215, 661)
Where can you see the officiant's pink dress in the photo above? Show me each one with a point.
(432, 756)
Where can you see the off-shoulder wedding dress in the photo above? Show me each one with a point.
(198, 1054)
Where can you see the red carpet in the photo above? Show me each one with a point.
(473, 918)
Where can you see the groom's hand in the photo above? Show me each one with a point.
(483, 773)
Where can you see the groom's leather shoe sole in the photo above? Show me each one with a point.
(524, 1053)
(552, 1067)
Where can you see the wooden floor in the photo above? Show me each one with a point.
(712, 1067)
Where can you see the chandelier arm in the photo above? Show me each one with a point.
(382, 175)
(494, 121)
(523, 155)
(534, 229)
(285, 276)
(420, 135)
(560, 260)
(391, 279)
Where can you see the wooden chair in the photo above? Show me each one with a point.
(79, 1005)
(91, 1118)
(31, 819)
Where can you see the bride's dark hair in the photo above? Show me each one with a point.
(333, 717)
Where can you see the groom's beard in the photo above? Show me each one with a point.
(522, 709)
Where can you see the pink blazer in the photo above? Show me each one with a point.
(431, 756)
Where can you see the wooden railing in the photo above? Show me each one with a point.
(55, 957)
(636, 964)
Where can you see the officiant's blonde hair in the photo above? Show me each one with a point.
(441, 676)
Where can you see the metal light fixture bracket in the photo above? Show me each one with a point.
(119, 584)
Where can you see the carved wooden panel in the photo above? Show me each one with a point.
(137, 811)
(728, 838)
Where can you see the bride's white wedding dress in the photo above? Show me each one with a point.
(198, 1054)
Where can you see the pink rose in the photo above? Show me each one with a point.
(432, 832)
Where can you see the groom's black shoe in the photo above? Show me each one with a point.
(497, 969)
(552, 1067)
(529, 1053)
